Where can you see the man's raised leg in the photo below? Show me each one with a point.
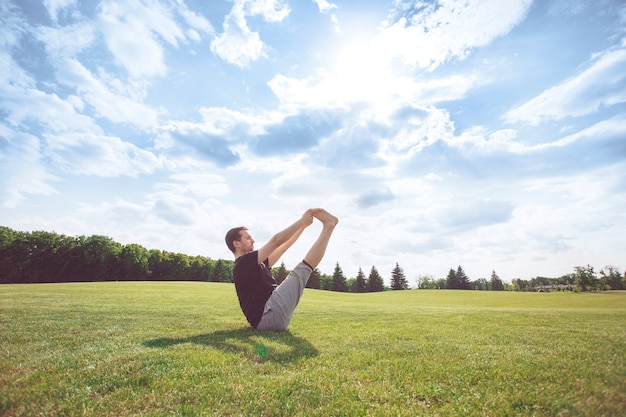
(316, 253)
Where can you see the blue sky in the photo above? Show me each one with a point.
(486, 134)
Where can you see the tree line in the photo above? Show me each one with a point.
(582, 279)
(39, 256)
(458, 280)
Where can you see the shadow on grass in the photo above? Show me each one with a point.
(280, 347)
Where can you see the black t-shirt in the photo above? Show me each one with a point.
(254, 283)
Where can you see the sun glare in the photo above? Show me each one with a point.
(359, 69)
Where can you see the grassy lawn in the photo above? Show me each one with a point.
(157, 349)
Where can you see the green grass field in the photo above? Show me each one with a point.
(158, 349)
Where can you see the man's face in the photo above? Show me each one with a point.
(246, 243)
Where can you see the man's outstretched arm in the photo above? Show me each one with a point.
(281, 241)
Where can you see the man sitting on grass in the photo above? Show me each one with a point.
(269, 307)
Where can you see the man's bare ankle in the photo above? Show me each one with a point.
(326, 218)
(332, 221)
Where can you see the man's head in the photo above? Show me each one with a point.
(234, 239)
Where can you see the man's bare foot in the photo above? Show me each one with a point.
(325, 217)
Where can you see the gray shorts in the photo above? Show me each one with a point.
(282, 303)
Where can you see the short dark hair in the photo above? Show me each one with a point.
(232, 235)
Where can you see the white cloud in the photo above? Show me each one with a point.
(238, 45)
(603, 84)
(422, 128)
(325, 5)
(225, 128)
(605, 130)
(185, 197)
(177, 211)
(23, 103)
(130, 28)
(196, 21)
(479, 141)
(13, 82)
(110, 97)
(225, 121)
(74, 142)
(450, 29)
(12, 23)
(55, 6)
(85, 153)
(22, 167)
(271, 10)
(296, 93)
(384, 91)
(65, 42)
(133, 45)
(335, 20)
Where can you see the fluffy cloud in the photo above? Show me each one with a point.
(22, 167)
(238, 45)
(325, 5)
(198, 24)
(296, 133)
(603, 84)
(56, 6)
(87, 153)
(115, 99)
(110, 97)
(203, 146)
(415, 128)
(429, 34)
(185, 197)
(130, 29)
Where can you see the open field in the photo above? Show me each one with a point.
(179, 348)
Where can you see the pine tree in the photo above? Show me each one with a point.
(280, 273)
(457, 280)
(463, 280)
(496, 282)
(452, 282)
(361, 285)
(339, 280)
(398, 279)
(375, 281)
